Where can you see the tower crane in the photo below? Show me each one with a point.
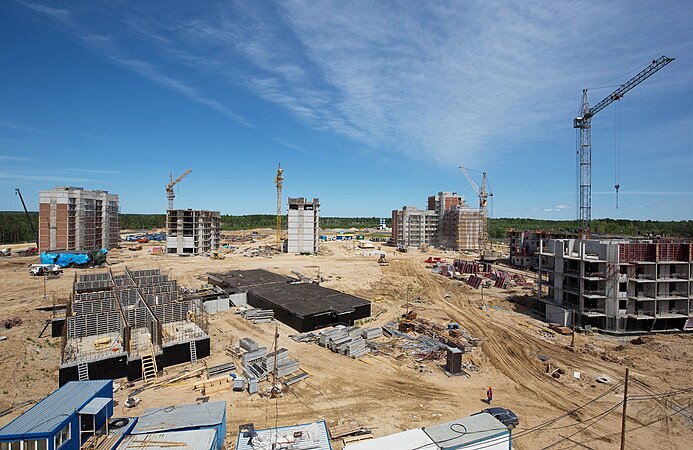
(170, 195)
(279, 180)
(584, 124)
(483, 194)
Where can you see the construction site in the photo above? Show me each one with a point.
(304, 338)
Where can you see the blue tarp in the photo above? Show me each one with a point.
(68, 259)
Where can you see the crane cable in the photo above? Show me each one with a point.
(617, 148)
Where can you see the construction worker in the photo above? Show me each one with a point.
(489, 395)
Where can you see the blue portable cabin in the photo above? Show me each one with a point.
(211, 415)
(55, 422)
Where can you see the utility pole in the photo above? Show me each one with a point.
(274, 371)
(623, 417)
(572, 320)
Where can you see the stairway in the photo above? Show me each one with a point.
(149, 367)
(193, 352)
(83, 371)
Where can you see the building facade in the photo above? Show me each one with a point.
(619, 286)
(72, 218)
(412, 227)
(524, 245)
(304, 226)
(192, 231)
(447, 223)
(460, 228)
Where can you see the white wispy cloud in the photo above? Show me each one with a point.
(97, 171)
(16, 126)
(14, 158)
(448, 81)
(34, 177)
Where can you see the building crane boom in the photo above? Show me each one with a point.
(279, 181)
(28, 218)
(584, 124)
(170, 195)
(483, 194)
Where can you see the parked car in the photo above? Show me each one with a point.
(503, 415)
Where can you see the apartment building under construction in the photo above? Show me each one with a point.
(192, 232)
(72, 218)
(303, 226)
(448, 222)
(620, 286)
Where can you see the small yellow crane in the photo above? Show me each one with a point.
(279, 180)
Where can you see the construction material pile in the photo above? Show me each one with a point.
(257, 315)
(259, 365)
(348, 341)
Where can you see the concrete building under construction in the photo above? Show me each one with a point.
(524, 245)
(412, 227)
(72, 218)
(129, 324)
(193, 232)
(619, 286)
(460, 228)
(448, 222)
(303, 226)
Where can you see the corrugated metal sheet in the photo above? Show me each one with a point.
(95, 406)
(313, 436)
(193, 440)
(180, 416)
(51, 412)
(407, 440)
(481, 429)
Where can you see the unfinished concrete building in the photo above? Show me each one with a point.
(618, 286)
(192, 231)
(524, 245)
(412, 227)
(71, 218)
(129, 324)
(304, 226)
(459, 229)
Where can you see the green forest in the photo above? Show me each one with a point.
(14, 227)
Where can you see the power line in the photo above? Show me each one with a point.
(554, 420)
(596, 419)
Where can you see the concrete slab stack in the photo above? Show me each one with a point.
(254, 356)
(372, 333)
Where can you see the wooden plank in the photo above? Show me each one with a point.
(360, 437)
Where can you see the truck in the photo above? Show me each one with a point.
(45, 269)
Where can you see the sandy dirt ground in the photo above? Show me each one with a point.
(390, 391)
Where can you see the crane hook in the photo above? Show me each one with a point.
(617, 186)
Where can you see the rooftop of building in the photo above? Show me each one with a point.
(466, 431)
(180, 417)
(48, 415)
(189, 439)
(312, 436)
(302, 200)
(302, 299)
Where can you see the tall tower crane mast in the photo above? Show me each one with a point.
(584, 124)
(170, 195)
(279, 181)
(483, 194)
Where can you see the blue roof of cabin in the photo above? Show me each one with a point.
(48, 415)
(156, 420)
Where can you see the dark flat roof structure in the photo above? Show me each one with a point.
(302, 306)
(243, 280)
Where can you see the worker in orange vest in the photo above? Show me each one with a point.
(489, 395)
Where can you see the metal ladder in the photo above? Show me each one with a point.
(193, 352)
(149, 366)
(83, 371)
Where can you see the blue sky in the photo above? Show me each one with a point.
(369, 105)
